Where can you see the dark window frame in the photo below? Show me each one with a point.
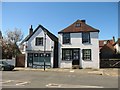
(86, 38)
(64, 58)
(87, 57)
(38, 42)
(66, 38)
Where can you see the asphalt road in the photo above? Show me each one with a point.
(50, 79)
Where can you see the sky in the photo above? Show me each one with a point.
(56, 16)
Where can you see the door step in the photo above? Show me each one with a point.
(75, 67)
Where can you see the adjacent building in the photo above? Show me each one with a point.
(40, 47)
(79, 46)
(0, 45)
(117, 44)
(107, 48)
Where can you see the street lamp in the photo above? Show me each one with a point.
(45, 32)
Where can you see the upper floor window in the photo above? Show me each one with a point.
(66, 38)
(86, 54)
(39, 41)
(77, 25)
(85, 37)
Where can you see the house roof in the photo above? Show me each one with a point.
(83, 28)
(24, 39)
(101, 42)
(109, 44)
(118, 41)
(53, 37)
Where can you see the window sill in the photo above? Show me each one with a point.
(38, 45)
(67, 44)
(87, 60)
(67, 60)
(86, 43)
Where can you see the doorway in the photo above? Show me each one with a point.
(76, 57)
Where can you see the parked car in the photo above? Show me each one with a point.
(4, 66)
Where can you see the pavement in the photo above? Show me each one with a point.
(105, 71)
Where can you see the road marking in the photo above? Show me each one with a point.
(13, 83)
(23, 83)
(8, 81)
(53, 85)
(84, 86)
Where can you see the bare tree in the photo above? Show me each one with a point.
(10, 43)
(14, 36)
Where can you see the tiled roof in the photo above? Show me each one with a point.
(109, 44)
(101, 42)
(83, 28)
(24, 40)
(118, 40)
(52, 36)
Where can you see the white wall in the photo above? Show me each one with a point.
(118, 48)
(23, 48)
(76, 42)
(31, 44)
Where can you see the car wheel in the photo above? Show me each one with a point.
(2, 68)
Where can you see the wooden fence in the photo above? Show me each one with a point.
(20, 60)
(109, 63)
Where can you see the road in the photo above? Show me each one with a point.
(52, 79)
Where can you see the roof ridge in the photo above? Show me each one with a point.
(83, 28)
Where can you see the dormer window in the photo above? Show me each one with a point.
(77, 25)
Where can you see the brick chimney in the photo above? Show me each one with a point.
(83, 21)
(0, 35)
(30, 30)
(114, 39)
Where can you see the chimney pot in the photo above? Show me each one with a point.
(83, 21)
(30, 30)
(113, 38)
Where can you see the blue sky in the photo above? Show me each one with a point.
(57, 16)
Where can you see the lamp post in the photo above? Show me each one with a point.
(45, 32)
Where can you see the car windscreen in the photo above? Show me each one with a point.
(3, 62)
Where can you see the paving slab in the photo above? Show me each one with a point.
(106, 71)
